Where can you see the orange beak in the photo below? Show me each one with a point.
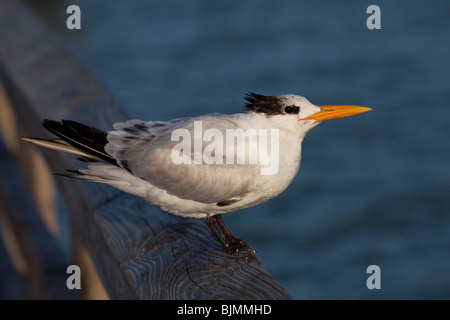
(334, 112)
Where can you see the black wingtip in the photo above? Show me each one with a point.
(50, 122)
(55, 127)
(65, 175)
(74, 171)
(81, 136)
(74, 174)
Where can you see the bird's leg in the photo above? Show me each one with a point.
(212, 226)
(230, 243)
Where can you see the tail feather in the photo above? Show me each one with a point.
(59, 145)
(89, 144)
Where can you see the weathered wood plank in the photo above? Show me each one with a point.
(139, 251)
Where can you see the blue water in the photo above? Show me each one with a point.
(372, 189)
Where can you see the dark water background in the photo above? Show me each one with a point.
(372, 189)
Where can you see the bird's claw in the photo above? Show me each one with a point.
(234, 245)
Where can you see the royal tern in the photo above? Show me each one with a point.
(204, 166)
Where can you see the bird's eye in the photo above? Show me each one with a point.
(289, 109)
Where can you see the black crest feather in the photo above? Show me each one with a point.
(270, 105)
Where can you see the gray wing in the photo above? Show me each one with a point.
(146, 150)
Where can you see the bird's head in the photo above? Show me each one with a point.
(297, 110)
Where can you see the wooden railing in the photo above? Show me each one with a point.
(125, 247)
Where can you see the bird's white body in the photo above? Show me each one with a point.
(138, 155)
(199, 190)
(143, 164)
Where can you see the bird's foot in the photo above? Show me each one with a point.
(234, 245)
(229, 243)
